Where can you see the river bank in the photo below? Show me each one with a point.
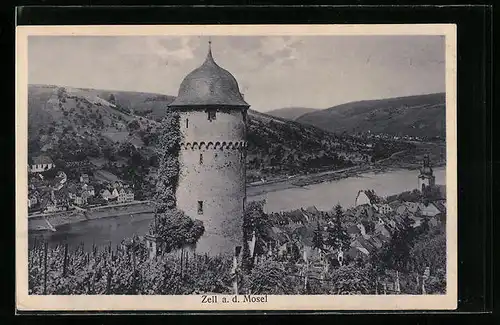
(298, 181)
(51, 221)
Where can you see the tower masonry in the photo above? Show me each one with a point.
(212, 175)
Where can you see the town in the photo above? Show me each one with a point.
(51, 190)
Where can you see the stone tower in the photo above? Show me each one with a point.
(212, 174)
(426, 177)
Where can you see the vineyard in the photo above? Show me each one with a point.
(60, 270)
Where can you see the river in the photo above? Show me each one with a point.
(324, 196)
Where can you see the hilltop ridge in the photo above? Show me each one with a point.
(421, 115)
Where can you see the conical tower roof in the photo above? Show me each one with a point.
(209, 85)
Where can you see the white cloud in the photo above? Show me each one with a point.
(161, 48)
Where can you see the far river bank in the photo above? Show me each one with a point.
(297, 181)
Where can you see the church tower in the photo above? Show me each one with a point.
(426, 177)
(212, 174)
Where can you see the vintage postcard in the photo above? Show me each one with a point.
(289, 167)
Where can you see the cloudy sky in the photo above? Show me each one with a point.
(273, 72)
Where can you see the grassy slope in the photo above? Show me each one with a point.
(290, 113)
(422, 115)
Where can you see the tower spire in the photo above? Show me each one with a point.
(209, 54)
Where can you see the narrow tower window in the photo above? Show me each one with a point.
(201, 159)
(200, 207)
(211, 115)
(187, 123)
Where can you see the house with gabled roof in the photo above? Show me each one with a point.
(41, 163)
(382, 230)
(32, 199)
(375, 241)
(382, 208)
(353, 231)
(430, 210)
(394, 204)
(125, 195)
(413, 207)
(55, 201)
(84, 178)
(364, 243)
(91, 190)
(106, 194)
(356, 253)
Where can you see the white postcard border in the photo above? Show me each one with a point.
(25, 302)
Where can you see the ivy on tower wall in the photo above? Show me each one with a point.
(168, 171)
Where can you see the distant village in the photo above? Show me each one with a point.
(369, 224)
(60, 193)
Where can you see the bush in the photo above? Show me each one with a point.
(176, 229)
(134, 125)
(273, 278)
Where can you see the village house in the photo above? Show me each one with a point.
(91, 191)
(41, 163)
(106, 194)
(363, 246)
(430, 210)
(78, 164)
(72, 190)
(366, 197)
(401, 209)
(122, 196)
(129, 196)
(394, 204)
(55, 201)
(382, 208)
(81, 199)
(381, 229)
(362, 229)
(353, 231)
(32, 200)
(364, 212)
(84, 178)
(413, 207)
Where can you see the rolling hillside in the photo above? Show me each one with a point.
(422, 116)
(290, 113)
(117, 132)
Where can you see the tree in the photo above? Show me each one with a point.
(317, 237)
(337, 237)
(396, 255)
(133, 125)
(112, 99)
(271, 277)
(429, 251)
(176, 229)
(255, 221)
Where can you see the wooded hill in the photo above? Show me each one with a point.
(421, 116)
